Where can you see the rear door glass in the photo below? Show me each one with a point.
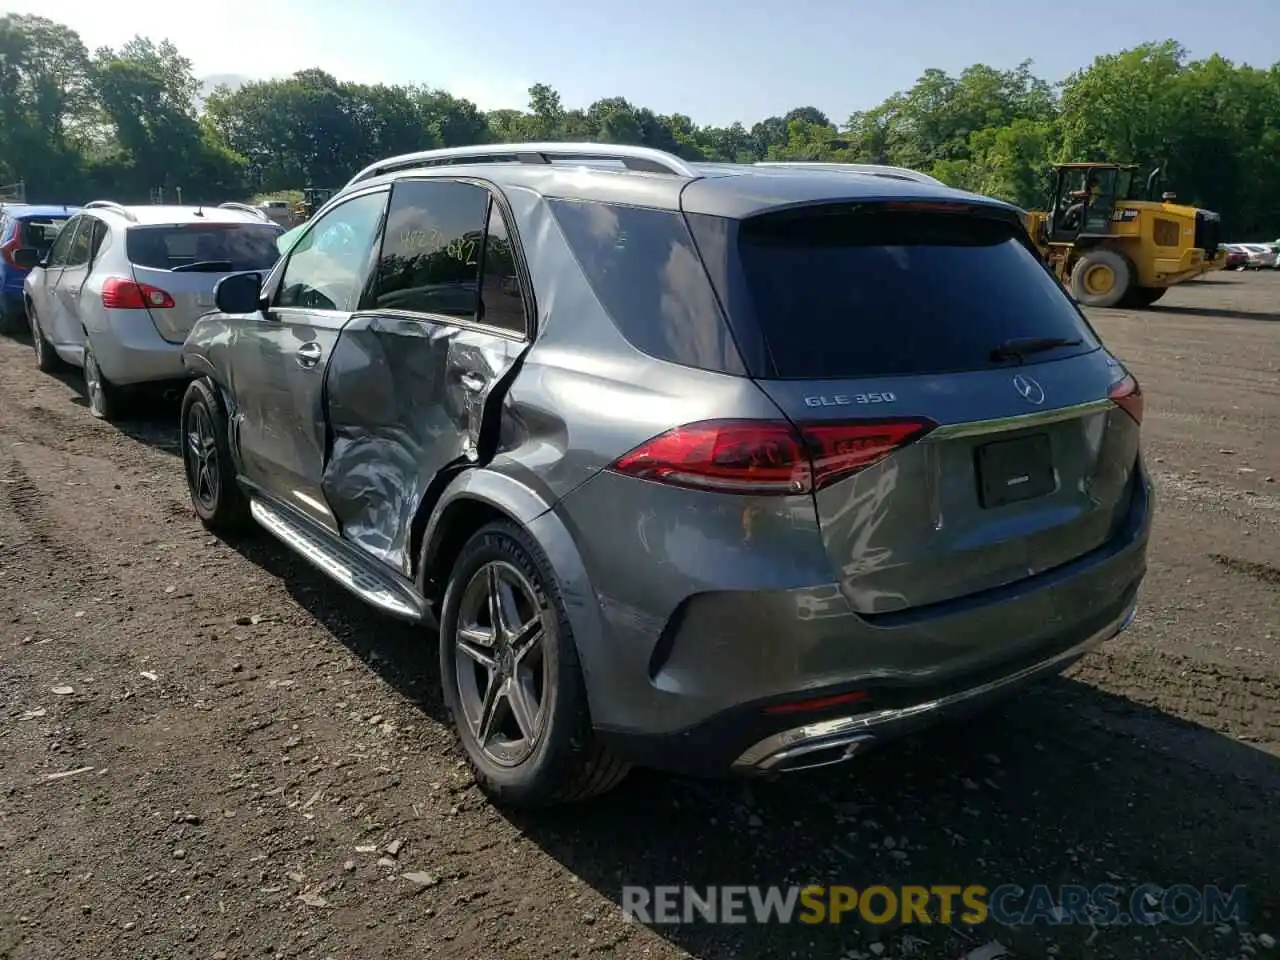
(837, 293)
(431, 250)
(221, 247)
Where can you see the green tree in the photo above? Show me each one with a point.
(124, 121)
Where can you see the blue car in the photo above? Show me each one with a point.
(24, 225)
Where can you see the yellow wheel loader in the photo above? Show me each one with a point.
(1113, 242)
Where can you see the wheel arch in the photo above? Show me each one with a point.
(453, 508)
(478, 496)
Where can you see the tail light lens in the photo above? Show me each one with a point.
(1127, 395)
(121, 294)
(767, 456)
(6, 251)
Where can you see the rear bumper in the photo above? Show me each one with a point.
(825, 742)
(703, 706)
(748, 741)
(131, 351)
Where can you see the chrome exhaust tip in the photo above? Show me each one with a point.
(811, 756)
(804, 748)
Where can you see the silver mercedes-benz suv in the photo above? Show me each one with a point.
(717, 468)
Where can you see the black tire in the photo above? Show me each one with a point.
(215, 494)
(1120, 268)
(106, 400)
(566, 763)
(47, 360)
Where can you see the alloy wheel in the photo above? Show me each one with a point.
(201, 455)
(501, 663)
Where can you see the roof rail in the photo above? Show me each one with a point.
(869, 169)
(113, 207)
(641, 159)
(245, 208)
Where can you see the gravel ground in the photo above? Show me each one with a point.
(207, 750)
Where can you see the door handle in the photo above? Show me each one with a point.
(474, 382)
(309, 354)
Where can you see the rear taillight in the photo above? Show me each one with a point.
(1127, 395)
(121, 294)
(6, 251)
(767, 456)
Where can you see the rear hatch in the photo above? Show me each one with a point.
(956, 398)
(178, 265)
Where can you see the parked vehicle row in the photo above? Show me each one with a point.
(119, 289)
(1252, 256)
(714, 468)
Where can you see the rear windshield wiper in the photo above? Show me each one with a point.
(204, 266)
(1019, 348)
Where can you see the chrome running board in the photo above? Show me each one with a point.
(382, 589)
(825, 742)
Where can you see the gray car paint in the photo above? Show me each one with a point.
(769, 595)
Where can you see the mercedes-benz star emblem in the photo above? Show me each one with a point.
(1031, 391)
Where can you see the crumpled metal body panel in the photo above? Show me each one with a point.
(400, 411)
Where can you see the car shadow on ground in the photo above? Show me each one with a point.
(1220, 312)
(403, 654)
(1065, 784)
(150, 414)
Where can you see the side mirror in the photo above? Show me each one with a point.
(27, 257)
(239, 293)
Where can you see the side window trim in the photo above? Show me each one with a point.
(276, 278)
(496, 202)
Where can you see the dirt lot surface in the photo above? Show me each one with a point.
(207, 750)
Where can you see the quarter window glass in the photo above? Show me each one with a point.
(99, 236)
(431, 249)
(646, 272)
(81, 244)
(328, 266)
(58, 252)
(501, 304)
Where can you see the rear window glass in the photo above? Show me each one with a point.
(644, 269)
(219, 247)
(838, 293)
(40, 232)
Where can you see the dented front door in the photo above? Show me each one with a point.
(414, 372)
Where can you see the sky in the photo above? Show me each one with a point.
(715, 61)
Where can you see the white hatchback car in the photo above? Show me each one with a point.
(121, 287)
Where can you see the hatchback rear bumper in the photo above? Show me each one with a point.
(131, 351)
